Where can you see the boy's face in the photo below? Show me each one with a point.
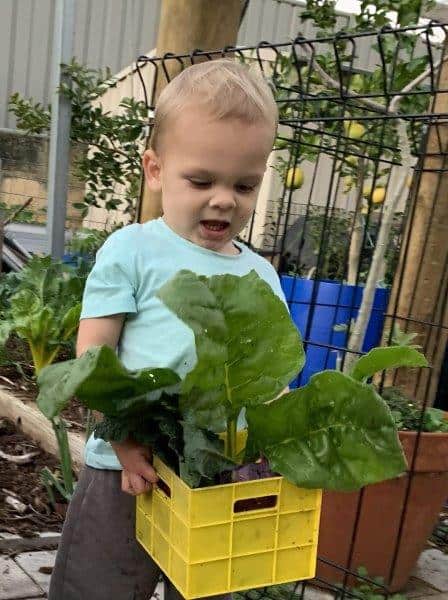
(209, 172)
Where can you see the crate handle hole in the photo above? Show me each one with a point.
(164, 487)
(249, 504)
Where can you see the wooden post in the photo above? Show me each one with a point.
(186, 25)
(420, 288)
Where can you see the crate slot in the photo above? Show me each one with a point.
(259, 503)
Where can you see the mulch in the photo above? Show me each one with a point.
(22, 482)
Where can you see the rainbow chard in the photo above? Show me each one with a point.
(334, 433)
(44, 309)
(247, 347)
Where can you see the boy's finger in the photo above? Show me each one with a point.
(125, 484)
(148, 473)
(138, 484)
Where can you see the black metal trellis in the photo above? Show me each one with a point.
(300, 235)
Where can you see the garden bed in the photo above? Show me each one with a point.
(17, 377)
(22, 483)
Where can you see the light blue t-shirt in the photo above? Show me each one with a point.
(131, 266)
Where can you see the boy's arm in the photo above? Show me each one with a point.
(138, 474)
(99, 331)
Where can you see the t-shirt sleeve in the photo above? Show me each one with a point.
(110, 286)
(271, 277)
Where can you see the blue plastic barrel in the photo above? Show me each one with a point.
(317, 306)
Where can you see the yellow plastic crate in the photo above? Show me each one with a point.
(210, 541)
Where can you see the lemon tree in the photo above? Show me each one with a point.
(366, 148)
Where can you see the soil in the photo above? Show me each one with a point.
(22, 482)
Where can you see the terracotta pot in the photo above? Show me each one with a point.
(381, 509)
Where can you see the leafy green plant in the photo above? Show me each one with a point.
(335, 433)
(372, 157)
(408, 416)
(63, 483)
(368, 588)
(333, 251)
(87, 242)
(44, 308)
(111, 162)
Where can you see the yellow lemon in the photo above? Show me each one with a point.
(356, 82)
(378, 195)
(294, 178)
(352, 160)
(354, 130)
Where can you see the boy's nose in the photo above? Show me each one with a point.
(223, 199)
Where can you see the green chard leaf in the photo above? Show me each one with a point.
(334, 433)
(390, 357)
(247, 346)
(204, 456)
(102, 383)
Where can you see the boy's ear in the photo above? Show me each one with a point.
(152, 170)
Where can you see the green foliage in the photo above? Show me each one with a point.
(142, 404)
(203, 455)
(64, 483)
(313, 120)
(368, 588)
(323, 15)
(402, 338)
(390, 357)
(103, 384)
(328, 235)
(112, 167)
(42, 307)
(25, 216)
(334, 433)
(233, 348)
(87, 242)
(285, 591)
(408, 416)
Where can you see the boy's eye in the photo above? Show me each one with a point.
(199, 183)
(245, 189)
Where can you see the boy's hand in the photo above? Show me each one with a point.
(138, 475)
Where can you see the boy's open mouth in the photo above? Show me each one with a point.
(212, 225)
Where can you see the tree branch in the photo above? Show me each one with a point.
(367, 101)
(17, 212)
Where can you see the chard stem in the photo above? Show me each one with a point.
(231, 439)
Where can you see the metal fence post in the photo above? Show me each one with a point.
(59, 157)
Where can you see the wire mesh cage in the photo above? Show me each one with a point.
(352, 213)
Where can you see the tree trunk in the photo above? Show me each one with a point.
(420, 288)
(186, 25)
(357, 236)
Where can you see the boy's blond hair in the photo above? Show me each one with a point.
(224, 87)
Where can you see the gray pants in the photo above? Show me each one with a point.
(98, 557)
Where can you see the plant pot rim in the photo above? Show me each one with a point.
(426, 434)
(432, 450)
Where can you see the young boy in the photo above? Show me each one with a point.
(214, 128)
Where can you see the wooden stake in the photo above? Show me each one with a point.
(420, 288)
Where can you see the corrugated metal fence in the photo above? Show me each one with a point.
(107, 33)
